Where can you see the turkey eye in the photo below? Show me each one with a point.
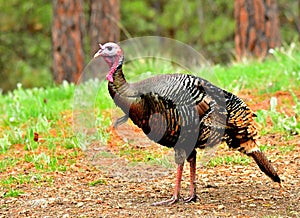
(109, 48)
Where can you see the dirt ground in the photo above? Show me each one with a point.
(127, 189)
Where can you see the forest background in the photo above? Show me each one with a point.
(208, 26)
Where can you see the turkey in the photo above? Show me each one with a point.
(184, 112)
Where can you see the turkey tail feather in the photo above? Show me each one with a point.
(265, 165)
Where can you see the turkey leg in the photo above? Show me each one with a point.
(176, 194)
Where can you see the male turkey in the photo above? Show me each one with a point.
(184, 112)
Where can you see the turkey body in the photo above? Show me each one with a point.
(166, 107)
(184, 112)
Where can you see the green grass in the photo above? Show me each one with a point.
(49, 112)
(136, 154)
(34, 105)
(283, 149)
(97, 182)
(24, 179)
(106, 154)
(6, 162)
(287, 148)
(164, 161)
(280, 72)
(281, 122)
(13, 193)
(229, 160)
(46, 162)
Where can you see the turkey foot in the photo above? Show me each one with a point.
(176, 194)
(169, 202)
(190, 199)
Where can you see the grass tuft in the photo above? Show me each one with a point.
(13, 193)
(229, 160)
(98, 182)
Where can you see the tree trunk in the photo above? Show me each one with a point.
(104, 22)
(67, 40)
(298, 20)
(257, 28)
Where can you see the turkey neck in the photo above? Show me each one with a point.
(119, 90)
(119, 84)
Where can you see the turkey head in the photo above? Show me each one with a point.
(113, 55)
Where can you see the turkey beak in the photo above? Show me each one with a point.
(99, 51)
